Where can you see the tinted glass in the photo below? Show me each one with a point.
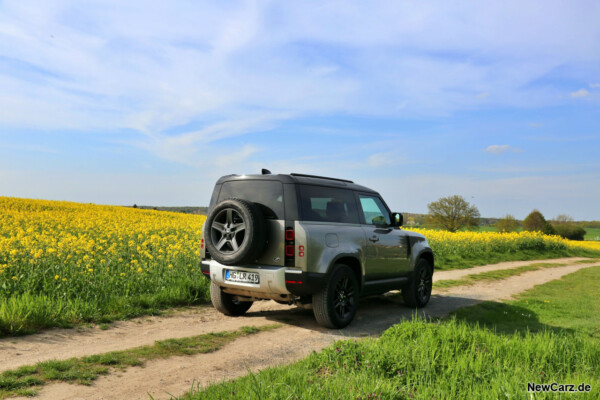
(374, 211)
(267, 194)
(319, 203)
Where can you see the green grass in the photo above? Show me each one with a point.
(27, 380)
(488, 351)
(496, 275)
(591, 233)
(28, 313)
(459, 261)
(571, 304)
(586, 261)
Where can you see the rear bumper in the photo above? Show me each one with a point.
(273, 279)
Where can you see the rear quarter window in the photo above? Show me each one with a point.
(326, 204)
(267, 194)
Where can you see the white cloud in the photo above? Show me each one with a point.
(234, 159)
(595, 85)
(497, 148)
(580, 93)
(382, 159)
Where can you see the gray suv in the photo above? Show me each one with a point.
(308, 239)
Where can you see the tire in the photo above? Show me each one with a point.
(224, 302)
(418, 292)
(336, 305)
(235, 232)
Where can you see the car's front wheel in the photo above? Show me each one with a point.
(336, 304)
(418, 292)
(225, 302)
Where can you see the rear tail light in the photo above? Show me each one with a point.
(290, 247)
(289, 235)
(289, 251)
(201, 243)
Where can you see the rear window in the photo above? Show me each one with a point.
(319, 203)
(267, 194)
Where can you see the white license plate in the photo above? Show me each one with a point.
(241, 276)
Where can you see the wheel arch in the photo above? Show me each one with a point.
(352, 262)
(427, 255)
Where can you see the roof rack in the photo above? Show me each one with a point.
(321, 177)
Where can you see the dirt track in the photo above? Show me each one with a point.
(298, 337)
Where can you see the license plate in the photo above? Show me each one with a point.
(241, 276)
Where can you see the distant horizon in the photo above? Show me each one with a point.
(206, 206)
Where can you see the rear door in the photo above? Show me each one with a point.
(387, 247)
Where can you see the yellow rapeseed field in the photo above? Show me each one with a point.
(470, 243)
(94, 260)
(494, 246)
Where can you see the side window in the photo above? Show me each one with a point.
(373, 210)
(320, 203)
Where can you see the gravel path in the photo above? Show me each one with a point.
(297, 338)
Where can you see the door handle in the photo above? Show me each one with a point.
(374, 238)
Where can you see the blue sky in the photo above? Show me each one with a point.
(150, 102)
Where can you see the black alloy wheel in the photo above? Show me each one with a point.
(418, 291)
(344, 300)
(336, 304)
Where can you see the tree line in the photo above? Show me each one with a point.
(454, 213)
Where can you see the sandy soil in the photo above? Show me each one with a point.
(298, 337)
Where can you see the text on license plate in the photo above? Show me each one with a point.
(241, 276)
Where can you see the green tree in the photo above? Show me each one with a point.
(565, 227)
(535, 222)
(562, 219)
(508, 223)
(570, 231)
(452, 213)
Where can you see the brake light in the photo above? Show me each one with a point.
(289, 251)
(289, 235)
(290, 247)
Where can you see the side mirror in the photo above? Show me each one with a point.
(397, 219)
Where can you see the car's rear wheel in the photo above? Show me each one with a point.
(336, 304)
(418, 292)
(226, 303)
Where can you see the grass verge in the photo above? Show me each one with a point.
(495, 275)
(569, 304)
(548, 335)
(27, 313)
(464, 261)
(27, 380)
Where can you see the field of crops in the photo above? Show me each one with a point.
(465, 249)
(64, 262)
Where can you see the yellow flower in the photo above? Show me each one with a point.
(56, 277)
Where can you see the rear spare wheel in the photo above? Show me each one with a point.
(235, 232)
